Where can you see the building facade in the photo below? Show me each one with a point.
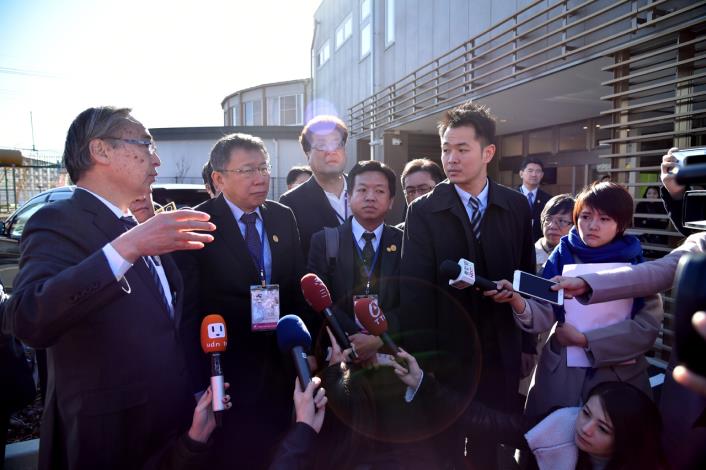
(592, 87)
(274, 112)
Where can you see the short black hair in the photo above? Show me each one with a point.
(610, 198)
(372, 165)
(207, 175)
(295, 171)
(558, 204)
(322, 124)
(220, 153)
(534, 160)
(423, 164)
(472, 115)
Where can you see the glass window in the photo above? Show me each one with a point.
(389, 22)
(290, 110)
(324, 53)
(18, 225)
(234, 115)
(344, 31)
(364, 10)
(252, 113)
(540, 141)
(573, 136)
(600, 132)
(512, 145)
(365, 41)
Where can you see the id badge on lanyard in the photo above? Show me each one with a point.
(264, 307)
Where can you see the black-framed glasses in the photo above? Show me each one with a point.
(421, 189)
(329, 147)
(249, 172)
(151, 146)
(558, 221)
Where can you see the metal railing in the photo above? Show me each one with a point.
(540, 38)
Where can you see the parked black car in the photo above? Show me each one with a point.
(183, 195)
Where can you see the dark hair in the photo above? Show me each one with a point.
(220, 153)
(558, 204)
(206, 174)
(423, 164)
(644, 194)
(92, 123)
(472, 115)
(323, 124)
(527, 160)
(609, 198)
(295, 171)
(637, 426)
(372, 165)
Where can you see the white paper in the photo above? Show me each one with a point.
(591, 317)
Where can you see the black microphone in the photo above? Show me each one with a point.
(318, 297)
(463, 274)
(293, 336)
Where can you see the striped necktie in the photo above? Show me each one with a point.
(474, 204)
(151, 262)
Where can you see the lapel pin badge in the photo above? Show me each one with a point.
(392, 248)
(275, 238)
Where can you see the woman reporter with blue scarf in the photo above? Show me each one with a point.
(616, 352)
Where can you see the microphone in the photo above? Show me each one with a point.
(370, 315)
(214, 340)
(318, 297)
(293, 336)
(463, 274)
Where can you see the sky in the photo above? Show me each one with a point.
(173, 61)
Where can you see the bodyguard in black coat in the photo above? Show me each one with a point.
(461, 327)
(311, 209)
(531, 174)
(323, 141)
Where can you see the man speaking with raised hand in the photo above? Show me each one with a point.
(102, 295)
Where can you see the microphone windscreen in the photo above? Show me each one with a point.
(291, 332)
(450, 269)
(315, 292)
(213, 334)
(370, 315)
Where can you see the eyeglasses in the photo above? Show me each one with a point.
(248, 172)
(422, 189)
(330, 147)
(151, 147)
(561, 223)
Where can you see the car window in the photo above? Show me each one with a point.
(18, 225)
(59, 195)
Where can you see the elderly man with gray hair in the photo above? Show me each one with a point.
(103, 296)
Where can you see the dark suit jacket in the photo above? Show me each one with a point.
(312, 210)
(117, 387)
(434, 314)
(537, 207)
(218, 280)
(340, 277)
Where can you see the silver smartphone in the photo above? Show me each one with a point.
(537, 287)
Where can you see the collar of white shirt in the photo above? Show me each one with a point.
(238, 212)
(358, 232)
(482, 197)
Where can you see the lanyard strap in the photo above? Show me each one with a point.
(259, 259)
(368, 272)
(345, 208)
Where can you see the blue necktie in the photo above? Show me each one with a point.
(130, 222)
(252, 239)
(530, 198)
(474, 204)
